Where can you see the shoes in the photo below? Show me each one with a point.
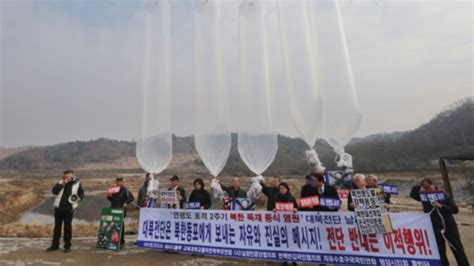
(51, 249)
(67, 250)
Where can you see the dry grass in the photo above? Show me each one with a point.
(17, 197)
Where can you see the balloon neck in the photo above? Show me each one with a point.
(343, 160)
(312, 159)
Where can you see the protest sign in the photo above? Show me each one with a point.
(389, 189)
(110, 229)
(113, 190)
(308, 202)
(432, 196)
(169, 199)
(284, 206)
(370, 211)
(306, 237)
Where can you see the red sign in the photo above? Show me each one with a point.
(284, 206)
(113, 190)
(309, 202)
(343, 193)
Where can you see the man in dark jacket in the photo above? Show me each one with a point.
(181, 192)
(68, 193)
(234, 191)
(271, 192)
(121, 200)
(142, 192)
(442, 210)
(308, 190)
(325, 191)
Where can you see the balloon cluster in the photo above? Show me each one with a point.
(315, 66)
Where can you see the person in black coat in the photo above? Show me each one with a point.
(142, 192)
(444, 208)
(271, 192)
(308, 190)
(68, 192)
(199, 194)
(235, 191)
(327, 191)
(121, 200)
(285, 196)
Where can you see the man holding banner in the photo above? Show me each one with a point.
(441, 209)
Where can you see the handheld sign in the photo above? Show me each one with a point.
(110, 229)
(389, 189)
(330, 202)
(194, 205)
(169, 199)
(432, 196)
(284, 206)
(343, 193)
(113, 190)
(308, 202)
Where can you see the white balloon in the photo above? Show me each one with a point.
(154, 144)
(342, 116)
(257, 140)
(302, 71)
(212, 135)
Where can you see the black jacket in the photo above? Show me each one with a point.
(448, 208)
(181, 196)
(142, 194)
(201, 196)
(117, 200)
(330, 192)
(308, 191)
(287, 198)
(239, 193)
(271, 193)
(64, 203)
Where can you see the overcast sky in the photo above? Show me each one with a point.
(71, 70)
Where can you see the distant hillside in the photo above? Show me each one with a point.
(449, 133)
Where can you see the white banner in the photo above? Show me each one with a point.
(314, 237)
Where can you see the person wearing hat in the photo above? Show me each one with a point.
(121, 200)
(181, 193)
(68, 193)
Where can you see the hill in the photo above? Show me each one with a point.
(449, 133)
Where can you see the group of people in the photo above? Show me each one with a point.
(69, 191)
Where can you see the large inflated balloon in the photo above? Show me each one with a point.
(302, 72)
(257, 140)
(341, 114)
(154, 144)
(212, 135)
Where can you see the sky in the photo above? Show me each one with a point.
(72, 70)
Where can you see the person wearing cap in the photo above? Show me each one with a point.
(68, 192)
(444, 225)
(181, 193)
(121, 200)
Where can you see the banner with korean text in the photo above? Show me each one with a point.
(324, 237)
